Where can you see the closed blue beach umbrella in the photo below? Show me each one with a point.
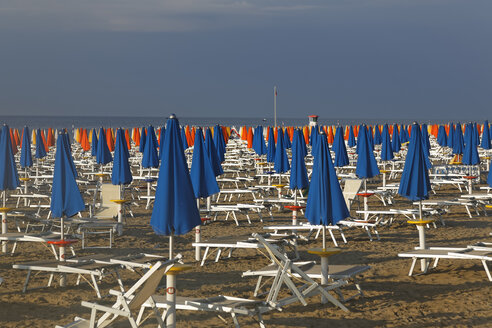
(325, 203)
(9, 180)
(298, 172)
(341, 156)
(103, 155)
(451, 135)
(470, 153)
(143, 138)
(271, 146)
(202, 173)
(415, 183)
(281, 163)
(442, 137)
(287, 142)
(26, 156)
(395, 139)
(94, 142)
(219, 142)
(150, 157)
(377, 135)
(40, 151)
(367, 166)
(351, 140)
(458, 142)
(485, 144)
(175, 210)
(121, 173)
(212, 153)
(386, 150)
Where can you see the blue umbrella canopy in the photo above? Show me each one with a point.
(150, 158)
(314, 139)
(175, 209)
(458, 142)
(386, 150)
(143, 138)
(271, 146)
(259, 142)
(298, 172)
(219, 142)
(341, 156)
(425, 140)
(212, 153)
(485, 144)
(26, 157)
(351, 140)
(415, 183)
(40, 150)
(121, 173)
(202, 173)
(367, 166)
(183, 140)
(470, 153)
(325, 203)
(377, 135)
(103, 155)
(369, 137)
(404, 137)
(451, 135)
(8, 170)
(442, 137)
(65, 195)
(94, 143)
(160, 142)
(287, 142)
(395, 139)
(281, 163)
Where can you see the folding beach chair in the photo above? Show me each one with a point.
(126, 303)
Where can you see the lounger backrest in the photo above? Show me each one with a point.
(108, 208)
(350, 190)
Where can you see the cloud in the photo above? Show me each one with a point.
(147, 15)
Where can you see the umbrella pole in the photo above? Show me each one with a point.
(4, 221)
(294, 212)
(366, 215)
(324, 237)
(198, 237)
(171, 290)
(63, 277)
(25, 186)
(421, 229)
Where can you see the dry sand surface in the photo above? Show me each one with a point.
(456, 294)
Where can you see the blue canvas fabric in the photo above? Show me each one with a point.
(212, 153)
(258, 141)
(175, 209)
(485, 143)
(325, 203)
(121, 173)
(341, 156)
(367, 166)
(40, 151)
(442, 137)
(351, 140)
(150, 157)
(451, 135)
(314, 139)
(160, 142)
(184, 141)
(94, 142)
(404, 137)
(458, 142)
(415, 183)
(470, 153)
(202, 173)
(103, 155)
(425, 140)
(66, 199)
(143, 138)
(26, 156)
(219, 143)
(298, 172)
(281, 163)
(271, 146)
(395, 139)
(386, 149)
(377, 136)
(9, 178)
(287, 143)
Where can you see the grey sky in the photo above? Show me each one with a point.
(402, 59)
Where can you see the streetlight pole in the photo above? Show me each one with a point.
(275, 105)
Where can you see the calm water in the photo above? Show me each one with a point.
(126, 122)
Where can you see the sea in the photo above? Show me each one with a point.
(71, 122)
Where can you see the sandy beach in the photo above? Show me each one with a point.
(456, 294)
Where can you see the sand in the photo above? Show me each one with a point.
(456, 294)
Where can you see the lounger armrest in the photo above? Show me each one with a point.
(103, 308)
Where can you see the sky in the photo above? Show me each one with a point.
(336, 58)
